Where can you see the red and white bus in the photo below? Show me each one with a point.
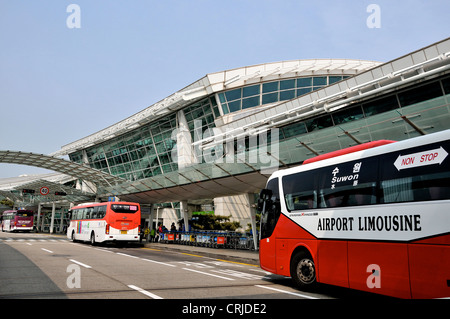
(17, 220)
(371, 218)
(102, 222)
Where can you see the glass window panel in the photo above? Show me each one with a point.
(380, 106)
(270, 98)
(235, 106)
(225, 109)
(251, 90)
(319, 123)
(348, 115)
(233, 95)
(250, 102)
(287, 95)
(420, 94)
(216, 111)
(319, 80)
(188, 117)
(294, 129)
(270, 87)
(333, 79)
(303, 91)
(197, 112)
(287, 84)
(446, 85)
(222, 98)
(304, 82)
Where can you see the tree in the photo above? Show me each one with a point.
(214, 222)
(7, 202)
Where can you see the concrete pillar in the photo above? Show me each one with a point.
(152, 217)
(250, 198)
(185, 152)
(61, 226)
(52, 222)
(38, 216)
(185, 214)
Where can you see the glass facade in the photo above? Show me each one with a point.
(271, 92)
(386, 117)
(146, 152)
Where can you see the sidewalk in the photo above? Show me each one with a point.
(236, 255)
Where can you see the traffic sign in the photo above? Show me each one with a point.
(44, 191)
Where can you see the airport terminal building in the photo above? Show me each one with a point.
(213, 144)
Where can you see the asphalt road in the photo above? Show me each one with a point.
(45, 266)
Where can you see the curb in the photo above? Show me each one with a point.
(246, 257)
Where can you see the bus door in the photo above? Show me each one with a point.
(269, 205)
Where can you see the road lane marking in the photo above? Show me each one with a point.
(193, 255)
(151, 249)
(235, 262)
(145, 292)
(126, 255)
(79, 263)
(49, 251)
(286, 292)
(208, 274)
(158, 262)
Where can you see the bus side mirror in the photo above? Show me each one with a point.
(265, 195)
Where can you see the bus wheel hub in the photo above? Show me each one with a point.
(305, 270)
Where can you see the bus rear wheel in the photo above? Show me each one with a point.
(303, 271)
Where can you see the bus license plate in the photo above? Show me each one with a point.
(123, 232)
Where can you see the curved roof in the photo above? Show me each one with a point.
(60, 165)
(219, 81)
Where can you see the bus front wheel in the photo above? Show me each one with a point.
(303, 270)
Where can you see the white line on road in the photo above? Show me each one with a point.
(205, 273)
(158, 262)
(145, 292)
(127, 255)
(286, 292)
(49, 251)
(81, 264)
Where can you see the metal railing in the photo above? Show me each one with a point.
(211, 239)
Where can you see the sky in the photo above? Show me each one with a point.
(67, 73)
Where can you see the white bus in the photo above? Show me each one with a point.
(101, 222)
(376, 219)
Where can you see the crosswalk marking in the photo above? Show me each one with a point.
(32, 240)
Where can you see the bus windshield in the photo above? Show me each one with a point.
(127, 209)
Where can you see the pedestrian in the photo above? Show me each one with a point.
(152, 235)
(173, 227)
(146, 233)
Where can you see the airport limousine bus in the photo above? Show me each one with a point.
(372, 218)
(17, 220)
(103, 222)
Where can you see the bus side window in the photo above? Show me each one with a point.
(94, 212)
(101, 211)
(80, 213)
(300, 191)
(88, 213)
